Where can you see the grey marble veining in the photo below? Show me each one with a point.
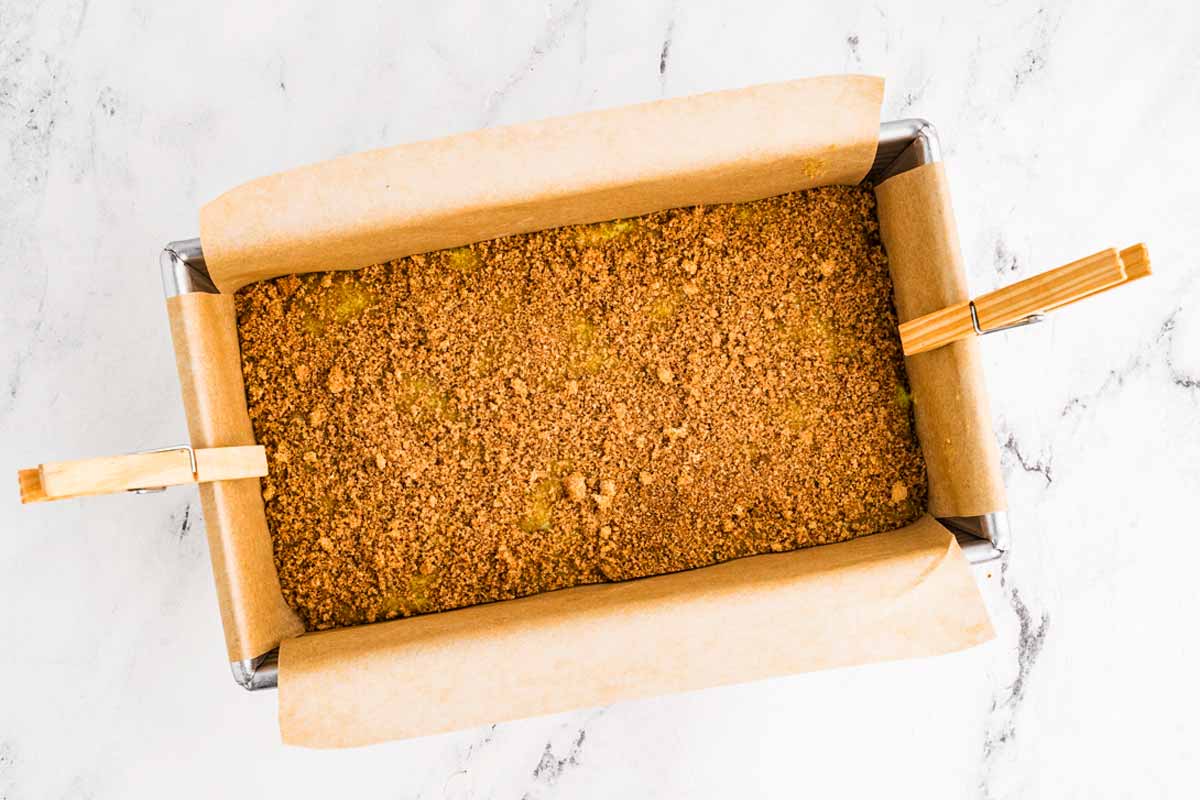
(1065, 128)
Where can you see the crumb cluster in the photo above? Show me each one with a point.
(584, 404)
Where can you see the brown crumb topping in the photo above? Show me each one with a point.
(591, 403)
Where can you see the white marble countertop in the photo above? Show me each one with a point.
(1065, 129)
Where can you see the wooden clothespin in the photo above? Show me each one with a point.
(1026, 301)
(149, 471)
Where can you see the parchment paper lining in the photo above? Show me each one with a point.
(954, 423)
(253, 612)
(724, 147)
(713, 148)
(897, 595)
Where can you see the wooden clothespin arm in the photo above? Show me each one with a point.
(140, 472)
(1026, 301)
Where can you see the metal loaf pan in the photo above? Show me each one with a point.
(903, 145)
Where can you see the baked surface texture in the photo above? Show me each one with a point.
(590, 403)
